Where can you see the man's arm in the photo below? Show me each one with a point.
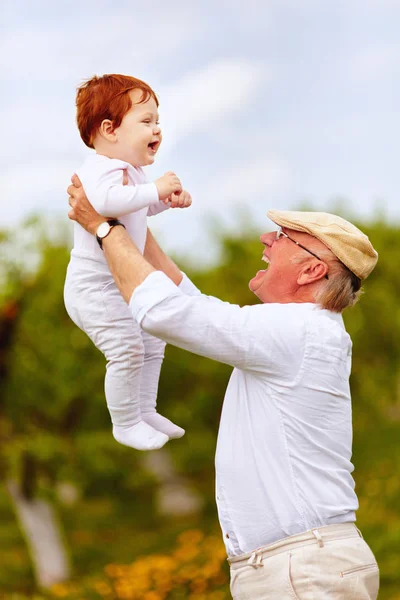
(128, 267)
(159, 260)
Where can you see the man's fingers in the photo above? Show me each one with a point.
(75, 188)
(76, 182)
(71, 190)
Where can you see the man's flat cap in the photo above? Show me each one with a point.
(351, 246)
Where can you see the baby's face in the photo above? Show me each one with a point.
(139, 135)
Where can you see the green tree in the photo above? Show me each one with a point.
(55, 427)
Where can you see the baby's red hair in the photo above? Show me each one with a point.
(106, 97)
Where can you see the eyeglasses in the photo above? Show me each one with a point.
(280, 233)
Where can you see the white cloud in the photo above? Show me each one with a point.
(37, 186)
(94, 43)
(328, 122)
(376, 61)
(213, 93)
(246, 183)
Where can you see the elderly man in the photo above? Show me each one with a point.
(285, 493)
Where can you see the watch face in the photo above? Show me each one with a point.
(103, 229)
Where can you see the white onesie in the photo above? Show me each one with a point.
(94, 303)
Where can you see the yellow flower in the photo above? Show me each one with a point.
(193, 536)
(153, 596)
(60, 590)
(218, 595)
(114, 570)
(198, 585)
(103, 588)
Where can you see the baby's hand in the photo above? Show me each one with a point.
(168, 184)
(182, 200)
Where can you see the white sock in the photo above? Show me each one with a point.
(163, 424)
(153, 357)
(140, 436)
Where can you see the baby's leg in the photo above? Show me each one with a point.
(98, 308)
(153, 357)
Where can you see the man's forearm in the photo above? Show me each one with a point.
(159, 260)
(128, 267)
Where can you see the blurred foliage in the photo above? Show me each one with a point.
(195, 569)
(55, 433)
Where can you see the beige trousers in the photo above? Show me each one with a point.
(329, 563)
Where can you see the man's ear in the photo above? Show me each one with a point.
(107, 131)
(312, 272)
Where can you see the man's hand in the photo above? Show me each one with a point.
(81, 209)
(182, 200)
(168, 184)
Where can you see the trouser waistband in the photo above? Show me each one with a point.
(318, 536)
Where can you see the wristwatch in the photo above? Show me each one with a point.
(104, 229)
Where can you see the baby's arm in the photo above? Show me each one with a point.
(106, 191)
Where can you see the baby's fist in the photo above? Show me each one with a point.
(168, 184)
(182, 200)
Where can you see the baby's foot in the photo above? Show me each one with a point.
(140, 436)
(162, 424)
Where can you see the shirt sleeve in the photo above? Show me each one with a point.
(156, 209)
(187, 286)
(104, 188)
(200, 324)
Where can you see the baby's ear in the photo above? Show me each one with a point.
(107, 131)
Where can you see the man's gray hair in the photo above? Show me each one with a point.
(341, 290)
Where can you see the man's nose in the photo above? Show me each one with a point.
(268, 238)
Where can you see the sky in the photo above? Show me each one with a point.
(263, 104)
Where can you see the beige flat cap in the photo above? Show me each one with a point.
(351, 246)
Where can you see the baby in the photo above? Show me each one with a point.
(117, 115)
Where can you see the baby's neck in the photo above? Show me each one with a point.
(108, 150)
(112, 155)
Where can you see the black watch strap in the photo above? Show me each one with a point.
(112, 223)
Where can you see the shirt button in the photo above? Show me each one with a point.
(227, 535)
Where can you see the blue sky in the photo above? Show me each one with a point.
(263, 104)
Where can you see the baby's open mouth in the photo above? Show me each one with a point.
(154, 146)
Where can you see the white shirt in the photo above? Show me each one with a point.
(101, 178)
(284, 442)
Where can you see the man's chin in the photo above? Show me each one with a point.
(257, 282)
